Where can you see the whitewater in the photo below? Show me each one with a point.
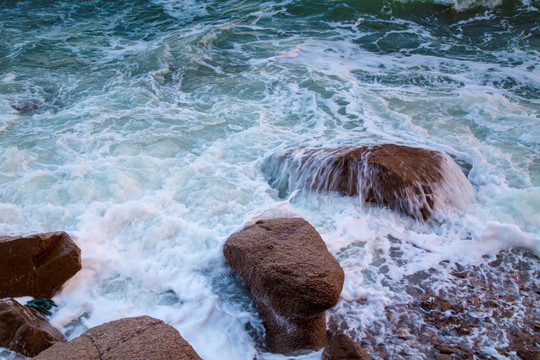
(144, 130)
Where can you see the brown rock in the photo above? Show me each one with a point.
(342, 347)
(23, 329)
(443, 357)
(445, 306)
(37, 265)
(293, 279)
(142, 338)
(410, 180)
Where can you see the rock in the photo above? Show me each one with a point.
(24, 330)
(411, 180)
(28, 106)
(37, 265)
(526, 345)
(142, 338)
(293, 278)
(342, 347)
(443, 357)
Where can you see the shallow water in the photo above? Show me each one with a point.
(142, 129)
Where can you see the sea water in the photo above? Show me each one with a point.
(142, 129)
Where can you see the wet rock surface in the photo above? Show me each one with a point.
(342, 347)
(24, 330)
(487, 311)
(410, 180)
(37, 265)
(292, 277)
(142, 338)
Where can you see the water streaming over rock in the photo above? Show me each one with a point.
(414, 181)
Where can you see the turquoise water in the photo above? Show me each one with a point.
(142, 127)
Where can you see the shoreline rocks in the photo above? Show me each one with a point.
(141, 337)
(342, 347)
(409, 180)
(37, 265)
(457, 311)
(292, 277)
(24, 330)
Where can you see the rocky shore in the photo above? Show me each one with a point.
(38, 265)
(454, 311)
(487, 311)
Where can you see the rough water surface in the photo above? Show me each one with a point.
(143, 128)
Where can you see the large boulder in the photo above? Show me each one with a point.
(136, 338)
(37, 265)
(293, 278)
(24, 330)
(411, 180)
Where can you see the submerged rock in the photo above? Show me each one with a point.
(37, 265)
(342, 347)
(28, 106)
(133, 338)
(24, 330)
(293, 278)
(410, 180)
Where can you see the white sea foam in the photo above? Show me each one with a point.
(182, 9)
(461, 5)
(9, 77)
